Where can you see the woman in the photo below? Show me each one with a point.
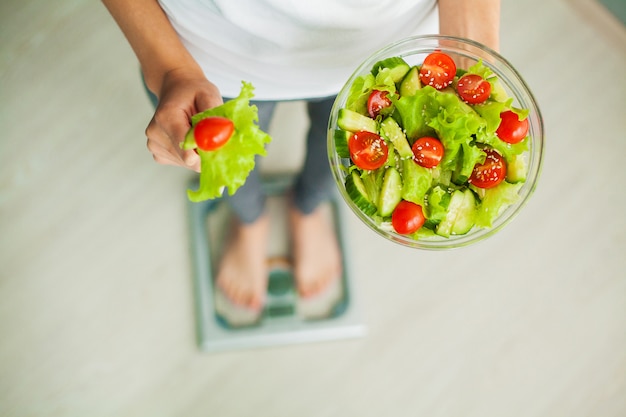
(195, 52)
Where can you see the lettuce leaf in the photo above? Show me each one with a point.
(229, 166)
(416, 182)
(430, 112)
(479, 68)
(362, 87)
(437, 204)
(359, 93)
(498, 93)
(490, 111)
(495, 201)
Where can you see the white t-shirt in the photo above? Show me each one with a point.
(292, 49)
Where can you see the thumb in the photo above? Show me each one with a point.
(192, 160)
(204, 100)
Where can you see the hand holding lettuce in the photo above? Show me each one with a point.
(228, 165)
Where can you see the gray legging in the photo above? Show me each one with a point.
(313, 184)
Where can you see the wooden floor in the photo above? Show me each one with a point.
(96, 297)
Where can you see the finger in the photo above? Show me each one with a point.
(159, 144)
(206, 101)
(192, 160)
(162, 155)
(168, 127)
(165, 155)
(164, 151)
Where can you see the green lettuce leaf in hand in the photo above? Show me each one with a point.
(229, 166)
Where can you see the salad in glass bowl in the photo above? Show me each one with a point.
(435, 142)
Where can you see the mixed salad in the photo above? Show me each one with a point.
(432, 150)
(227, 138)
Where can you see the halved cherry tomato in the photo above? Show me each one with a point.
(438, 70)
(213, 132)
(473, 88)
(428, 152)
(407, 217)
(367, 150)
(491, 172)
(512, 129)
(377, 101)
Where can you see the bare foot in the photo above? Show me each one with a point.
(317, 257)
(243, 274)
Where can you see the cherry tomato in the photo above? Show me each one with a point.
(213, 132)
(407, 217)
(438, 70)
(428, 152)
(491, 172)
(473, 88)
(377, 101)
(367, 150)
(512, 129)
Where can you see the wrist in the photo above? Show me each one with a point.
(478, 20)
(158, 80)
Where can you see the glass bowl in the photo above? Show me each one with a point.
(465, 53)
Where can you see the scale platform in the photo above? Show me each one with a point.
(282, 321)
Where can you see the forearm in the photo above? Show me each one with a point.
(478, 20)
(153, 39)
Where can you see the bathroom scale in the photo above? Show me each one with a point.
(285, 319)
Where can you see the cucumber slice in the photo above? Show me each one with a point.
(373, 182)
(461, 214)
(391, 192)
(355, 122)
(410, 83)
(392, 131)
(445, 226)
(356, 191)
(516, 169)
(341, 143)
(466, 215)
